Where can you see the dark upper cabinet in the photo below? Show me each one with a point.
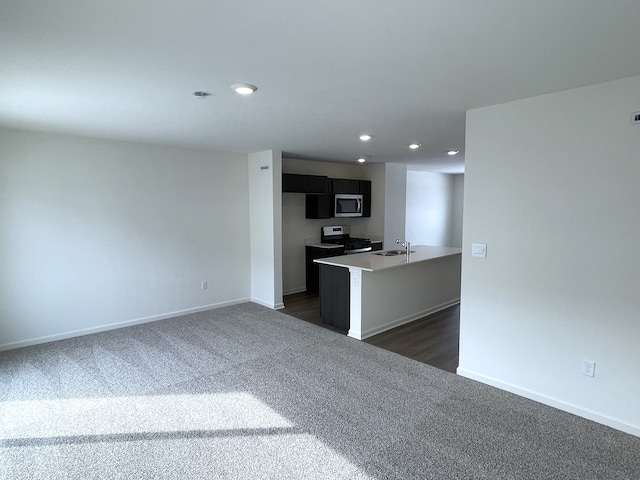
(365, 191)
(317, 206)
(343, 185)
(319, 190)
(295, 183)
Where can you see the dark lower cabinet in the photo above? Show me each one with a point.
(334, 297)
(312, 270)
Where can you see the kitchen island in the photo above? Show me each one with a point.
(368, 293)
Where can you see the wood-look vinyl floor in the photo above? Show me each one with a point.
(433, 340)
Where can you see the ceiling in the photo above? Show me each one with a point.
(327, 71)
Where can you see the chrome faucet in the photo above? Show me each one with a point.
(406, 245)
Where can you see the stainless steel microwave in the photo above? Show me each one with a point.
(347, 205)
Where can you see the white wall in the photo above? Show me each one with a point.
(551, 185)
(395, 201)
(434, 208)
(457, 210)
(265, 201)
(296, 228)
(429, 208)
(95, 233)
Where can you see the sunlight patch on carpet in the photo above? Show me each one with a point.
(234, 432)
(139, 414)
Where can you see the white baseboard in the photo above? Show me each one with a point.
(273, 306)
(553, 402)
(408, 319)
(113, 326)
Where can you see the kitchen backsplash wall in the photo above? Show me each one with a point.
(296, 229)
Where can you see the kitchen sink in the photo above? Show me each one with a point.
(392, 253)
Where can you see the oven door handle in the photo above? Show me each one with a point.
(358, 250)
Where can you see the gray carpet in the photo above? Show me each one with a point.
(244, 392)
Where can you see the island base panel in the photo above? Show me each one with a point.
(334, 296)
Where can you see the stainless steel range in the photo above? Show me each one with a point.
(337, 234)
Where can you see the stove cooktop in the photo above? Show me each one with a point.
(336, 234)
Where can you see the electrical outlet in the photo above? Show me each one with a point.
(203, 285)
(635, 118)
(589, 368)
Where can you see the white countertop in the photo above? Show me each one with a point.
(312, 242)
(318, 244)
(371, 262)
(324, 245)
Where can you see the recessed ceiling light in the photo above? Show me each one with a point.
(365, 137)
(244, 88)
(413, 146)
(362, 160)
(452, 152)
(201, 94)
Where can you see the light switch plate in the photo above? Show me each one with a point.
(479, 250)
